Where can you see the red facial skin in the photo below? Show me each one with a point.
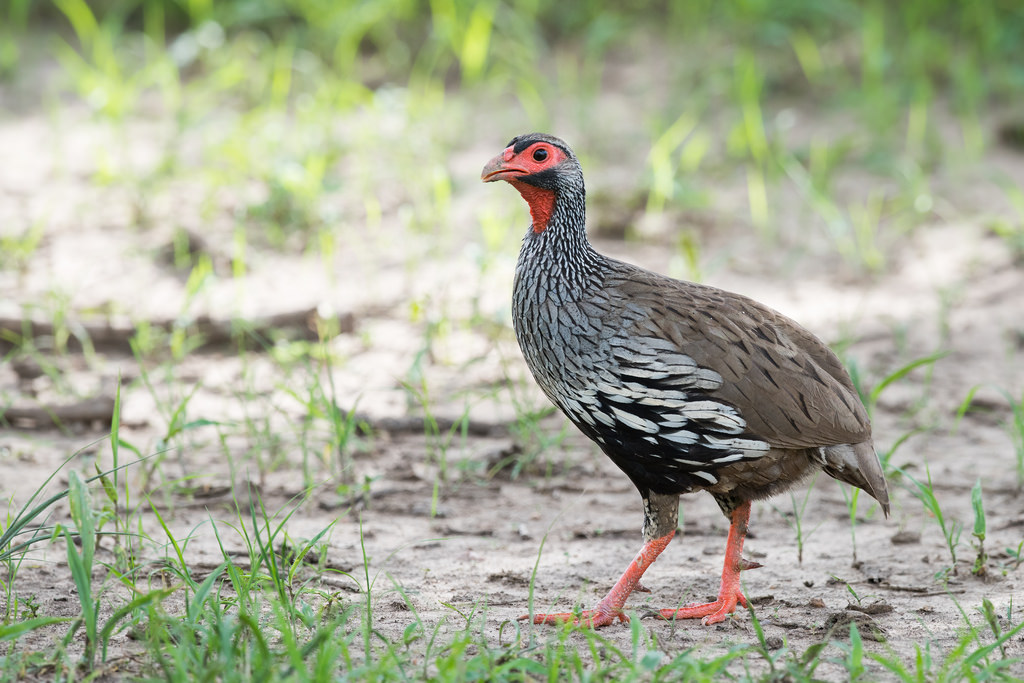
(509, 166)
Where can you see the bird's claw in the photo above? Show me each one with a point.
(708, 613)
(591, 618)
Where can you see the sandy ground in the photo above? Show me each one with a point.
(952, 286)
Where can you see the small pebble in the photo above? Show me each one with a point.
(905, 537)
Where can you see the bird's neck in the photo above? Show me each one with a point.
(541, 201)
(559, 246)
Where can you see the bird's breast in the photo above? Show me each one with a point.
(561, 331)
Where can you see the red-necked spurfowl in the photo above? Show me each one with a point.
(685, 387)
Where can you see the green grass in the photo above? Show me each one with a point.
(294, 129)
(980, 526)
(263, 614)
(950, 527)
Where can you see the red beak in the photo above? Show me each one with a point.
(498, 168)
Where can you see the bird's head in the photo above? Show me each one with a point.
(542, 168)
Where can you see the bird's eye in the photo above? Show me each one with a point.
(540, 154)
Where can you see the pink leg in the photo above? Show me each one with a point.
(610, 608)
(729, 595)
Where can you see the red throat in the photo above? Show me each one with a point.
(541, 201)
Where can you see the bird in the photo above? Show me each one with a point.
(684, 386)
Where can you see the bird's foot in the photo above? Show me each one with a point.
(610, 608)
(592, 618)
(709, 613)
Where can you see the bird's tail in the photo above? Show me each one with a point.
(857, 464)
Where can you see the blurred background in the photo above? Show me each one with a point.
(170, 164)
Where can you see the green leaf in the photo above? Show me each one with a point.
(965, 405)
(81, 573)
(979, 511)
(812, 653)
(115, 422)
(901, 373)
(81, 513)
(18, 629)
(82, 19)
(108, 485)
(195, 605)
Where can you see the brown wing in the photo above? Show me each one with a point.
(786, 383)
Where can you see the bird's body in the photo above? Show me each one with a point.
(685, 387)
